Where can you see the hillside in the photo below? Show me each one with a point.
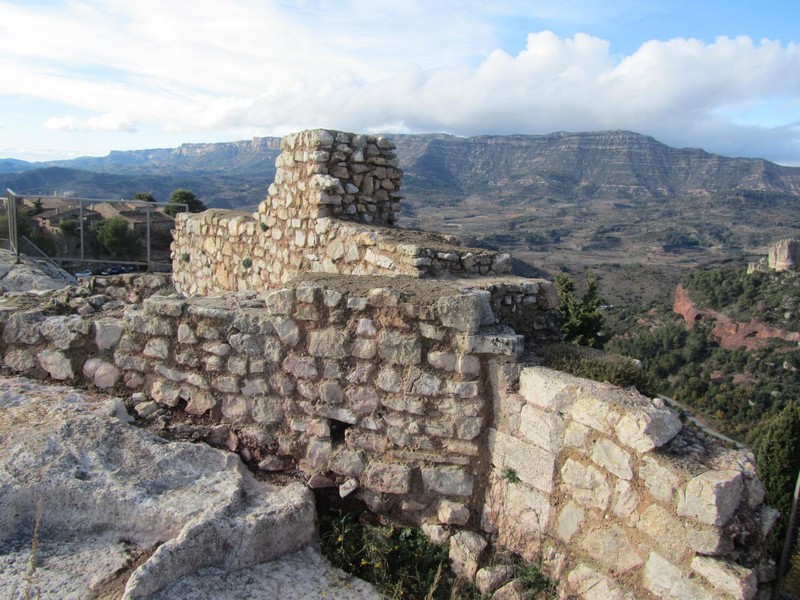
(555, 200)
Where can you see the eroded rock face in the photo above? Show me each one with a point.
(784, 255)
(109, 491)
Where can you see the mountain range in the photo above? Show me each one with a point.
(617, 194)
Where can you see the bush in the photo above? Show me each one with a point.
(614, 369)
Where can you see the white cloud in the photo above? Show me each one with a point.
(272, 66)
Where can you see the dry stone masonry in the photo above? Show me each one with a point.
(399, 376)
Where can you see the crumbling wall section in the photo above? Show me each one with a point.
(619, 497)
(329, 210)
(377, 390)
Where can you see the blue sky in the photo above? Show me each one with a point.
(84, 77)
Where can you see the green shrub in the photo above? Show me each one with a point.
(247, 263)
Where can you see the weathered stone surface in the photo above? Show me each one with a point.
(103, 374)
(591, 585)
(533, 465)
(738, 581)
(488, 579)
(451, 481)
(107, 332)
(612, 458)
(400, 348)
(626, 499)
(544, 429)
(613, 548)
(438, 534)
(587, 485)
(56, 363)
(659, 479)
(667, 581)
(466, 551)
(20, 360)
(648, 428)
(569, 521)
(86, 466)
(389, 478)
(452, 513)
(328, 343)
(665, 529)
(513, 590)
(711, 497)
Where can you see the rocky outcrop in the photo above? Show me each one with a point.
(30, 274)
(783, 255)
(108, 493)
(728, 333)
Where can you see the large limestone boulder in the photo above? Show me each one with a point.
(116, 499)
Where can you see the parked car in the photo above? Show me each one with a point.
(84, 273)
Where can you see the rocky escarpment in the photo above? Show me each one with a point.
(728, 333)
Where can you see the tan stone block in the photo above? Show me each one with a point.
(544, 429)
(733, 579)
(659, 479)
(534, 465)
(586, 484)
(612, 548)
(711, 497)
(569, 521)
(612, 458)
(666, 580)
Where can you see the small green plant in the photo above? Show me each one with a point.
(264, 226)
(510, 475)
(399, 561)
(185, 257)
(247, 263)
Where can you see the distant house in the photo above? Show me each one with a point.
(136, 214)
(50, 220)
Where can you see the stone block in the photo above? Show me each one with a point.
(489, 579)
(331, 392)
(660, 480)
(107, 333)
(157, 348)
(727, 577)
(513, 590)
(666, 580)
(20, 360)
(464, 312)
(438, 534)
(328, 343)
(667, 531)
(299, 366)
(547, 388)
(466, 551)
(503, 344)
(711, 497)
(612, 548)
(400, 348)
(648, 426)
(541, 428)
(589, 584)
(626, 499)
(442, 360)
(450, 481)
(452, 513)
(425, 384)
(56, 363)
(287, 330)
(586, 484)
(612, 458)
(569, 521)
(389, 478)
(534, 465)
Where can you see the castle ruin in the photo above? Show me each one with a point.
(399, 367)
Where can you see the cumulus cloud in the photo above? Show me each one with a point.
(271, 66)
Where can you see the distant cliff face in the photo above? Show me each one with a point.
(588, 163)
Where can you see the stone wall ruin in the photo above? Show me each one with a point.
(410, 392)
